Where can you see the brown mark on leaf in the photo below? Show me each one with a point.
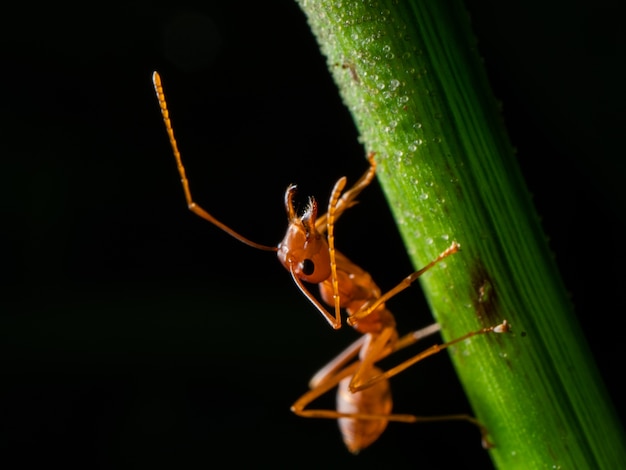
(484, 295)
(485, 299)
(351, 68)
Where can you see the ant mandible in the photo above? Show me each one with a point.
(308, 252)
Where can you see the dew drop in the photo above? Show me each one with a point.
(393, 84)
(423, 196)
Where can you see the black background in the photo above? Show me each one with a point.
(136, 335)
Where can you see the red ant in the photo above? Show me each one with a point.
(308, 252)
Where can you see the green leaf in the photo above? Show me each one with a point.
(411, 76)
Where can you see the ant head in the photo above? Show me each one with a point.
(304, 251)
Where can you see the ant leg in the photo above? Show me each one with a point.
(503, 327)
(329, 383)
(332, 207)
(374, 350)
(414, 336)
(193, 207)
(374, 377)
(333, 321)
(347, 200)
(336, 205)
(406, 282)
(337, 363)
(336, 370)
(351, 352)
(380, 396)
(330, 377)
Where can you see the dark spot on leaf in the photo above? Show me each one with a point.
(484, 295)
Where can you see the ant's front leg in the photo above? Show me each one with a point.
(336, 205)
(347, 199)
(406, 282)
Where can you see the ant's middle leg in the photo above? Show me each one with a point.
(336, 369)
(406, 340)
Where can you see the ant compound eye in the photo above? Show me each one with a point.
(307, 267)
